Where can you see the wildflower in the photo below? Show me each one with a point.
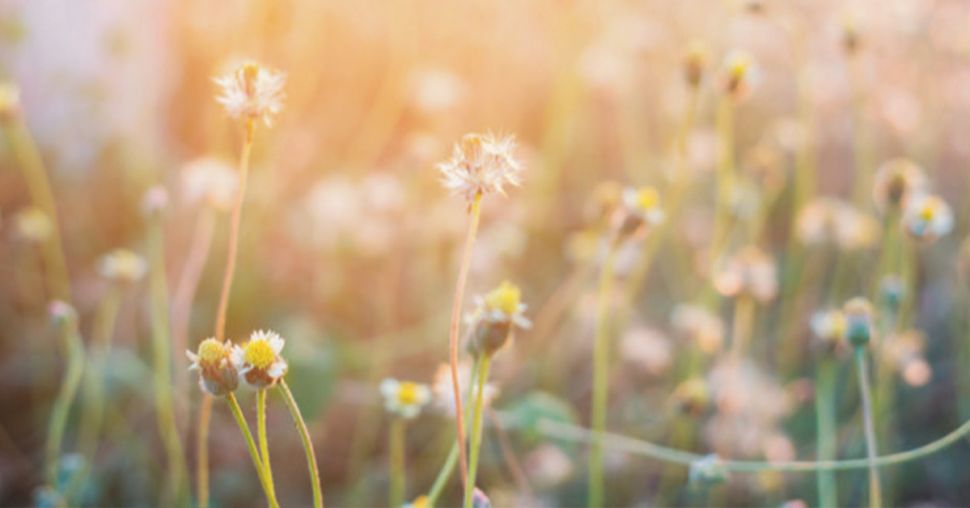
(33, 225)
(404, 398)
(122, 265)
(692, 396)
(699, 325)
(828, 327)
(210, 181)
(646, 348)
(904, 352)
(444, 397)
(419, 502)
(61, 312)
(927, 217)
(851, 40)
(707, 471)
(481, 164)
(859, 327)
(252, 92)
(258, 360)
(892, 290)
(495, 318)
(640, 210)
(895, 182)
(751, 273)
(436, 90)
(737, 74)
(9, 101)
(217, 373)
(155, 201)
(835, 222)
(695, 61)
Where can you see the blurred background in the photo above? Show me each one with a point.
(350, 245)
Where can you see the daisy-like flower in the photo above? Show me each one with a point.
(750, 272)
(33, 225)
(835, 222)
(859, 322)
(695, 61)
(217, 374)
(496, 316)
(444, 397)
(896, 181)
(404, 398)
(9, 100)
(481, 164)
(210, 181)
(258, 360)
(737, 74)
(252, 92)
(828, 327)
(419, 502)
(927, 217)
(640, 211)
(692, 396)
(122, 265)
(699, 325)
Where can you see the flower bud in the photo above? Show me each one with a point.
(499, 313)
(859, 327)
(217, 374)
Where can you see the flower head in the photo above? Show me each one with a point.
(217, 374)
(481, 164)
(33, 225)
(404, 398)
(122, 265)
(9, 100)
(252, 92)
(692, 396)
(641, 209)
(419, 502)
(498, 313)
(210, 181)
(927, 217)
(62, 313)
(737, 74)
(695, 62)
(154, 201)
(828, 327)
(750, 272)
(896, 181)
(258, 360)
(859, 322)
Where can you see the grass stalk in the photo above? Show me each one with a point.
(74, 347)
(253, 451)
(825, 430)
(875, 492)
(600, 379)
(311, 457)
(263, 439)
(396, 445)
(476, 437)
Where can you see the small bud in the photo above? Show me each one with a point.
(692, 397)
(737, 74)
(155, 201)
(61, 313)
(498, 314)
(122, 265)
(217, 374)
(859, 327)
(892, 291)
(695, 62)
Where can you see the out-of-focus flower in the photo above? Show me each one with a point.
(155, 201)
(737, 74)
(859, 322)
(695, 62)
(896, 181)
(436, 90)
(548, 465)
(481, 164)
(252, 92)
(750, 272)
(851, 39)
(444, 397)
(699, 325)
(927, 217)
(892, 290)
(497, 315)
(61, 313)
(33, 225)
(646, 348)
(122, 265)
(904, 353)
(835, 222)
(419, 502)
(480, 500)
(603, 202)
(9, 100)
(217, 374)
(258, 360)
(692, 397)
(404, 398)
(640, 210)
(778, 447)
(210, 181)
(828, 327)
(750, 405)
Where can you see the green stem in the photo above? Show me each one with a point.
(161, 352)
(74, 348)
(311, 457)
(725, 175)
(825, 430)
(744, 308)
(261, 471)
(476, 438)
(263, 439)
(600, 379)
(875, 493)
(202, 450)
(449, 466)
(396, 446)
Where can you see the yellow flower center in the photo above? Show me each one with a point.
(421, 502)
(471, 146)
(928, 211)
(259, 354)
(249, 72)
(211, 352)
(647, 198)
(407, 393)
(504, 298)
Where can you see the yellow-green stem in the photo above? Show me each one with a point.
(725, 175)
(263, 438)
(449, 466)
(396, 457)
(261, 471)
(600, 378)
(825, 429)
(202, 450)
(476, 438)
(73, 347)
(875, 493)
(311, 456)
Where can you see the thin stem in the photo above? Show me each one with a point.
(825, 430)
(508, 454)
(449, 466)
(263, 440)
(725, 174)
(74, 347)
(396, 447)
(875, 493)
(161, 352)
(744, 308)
(476, 439)
(474, 212)
(600, 378)
(202, 450)
(253, 451)
(311, 457)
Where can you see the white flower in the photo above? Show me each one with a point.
(217, 374)
(644, 204)
(828, 325)
(258, 361)
(927, 217)
(252, 92)
(481, 164)
(404, 398)
(211, 181)
(33, 225)
(122, 265)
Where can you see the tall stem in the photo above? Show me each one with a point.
(202, 450)
(311, 457)
(263, 440)
(476, 439)
(474, 212)
(253, 451)
(396, 446)
(74, 348)
(825, 430)
(744, 308)
(600, 379)
(875, 493)
(161, 352)
(449, 466)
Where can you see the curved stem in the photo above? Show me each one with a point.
(600, 379)
(263, 440)
(74, 347)
(202, 451)
(474, 212)
(311, 457)
(253, 451)
(449, 466)
(476, 438)
(875, 492)
(396, 446)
